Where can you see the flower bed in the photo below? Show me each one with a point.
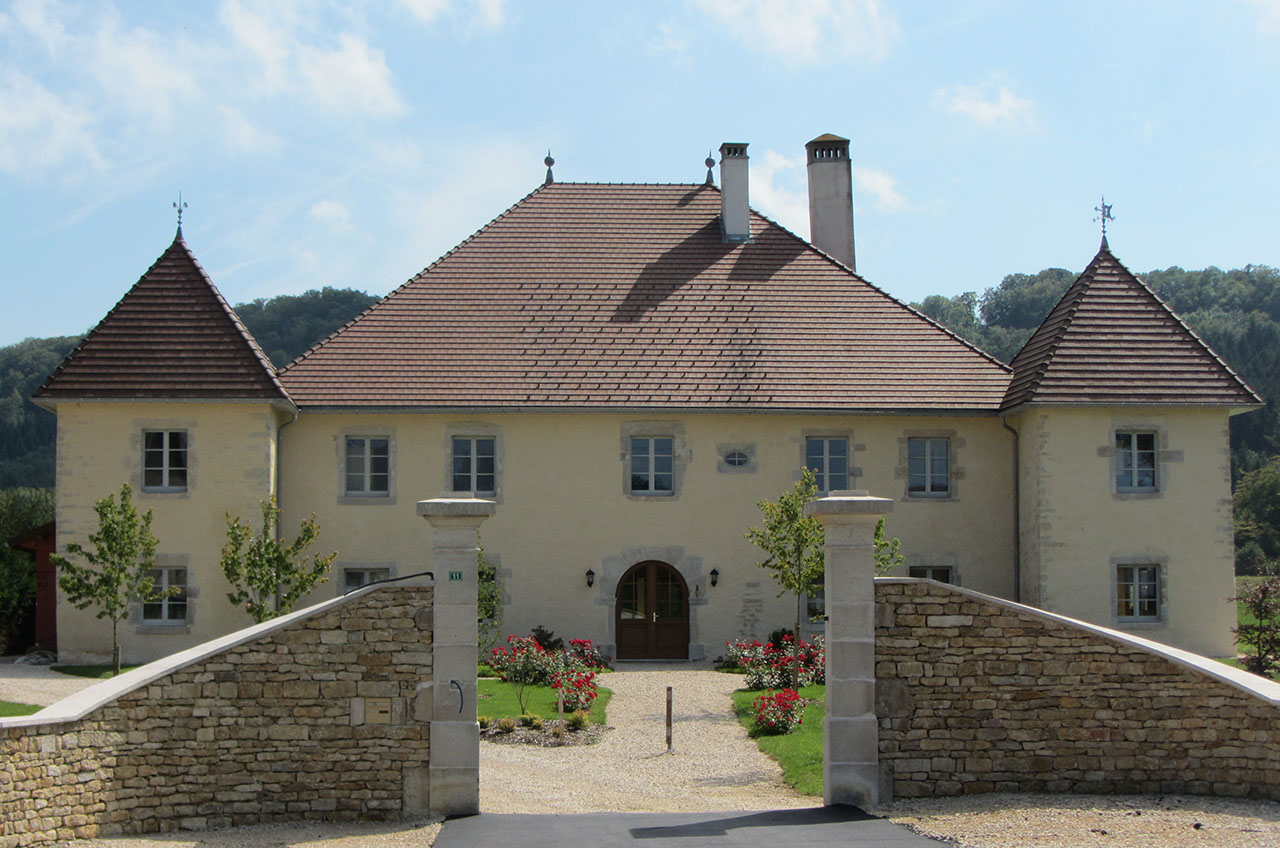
(778, 712)
(769, 667)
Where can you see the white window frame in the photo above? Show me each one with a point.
(1136, 579)
(940, 573)
(472, 456)
(651, 474)
(823, 473)
(930, 444)
(1132, 453)
(166, 467)
(167, 577)
(366, 456)
(368, 574)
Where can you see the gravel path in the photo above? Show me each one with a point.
(714, 766)
(36, 684)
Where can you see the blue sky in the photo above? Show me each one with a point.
(351, 144)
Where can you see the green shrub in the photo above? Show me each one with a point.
(576, 720)
(484, 721)
(506, 724)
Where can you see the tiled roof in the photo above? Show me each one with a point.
(626, 296)
(1111, 341)
(171, 336)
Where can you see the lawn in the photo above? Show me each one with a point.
(9, 709)
(798, 752)
(94, 672)
(498, 699)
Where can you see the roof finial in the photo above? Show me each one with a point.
(548, 162)
(1104, 215)
(710, 163)
(179, 205)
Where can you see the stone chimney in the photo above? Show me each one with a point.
(831, 197)
(735, 218)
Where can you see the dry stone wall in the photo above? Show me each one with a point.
(975, 695)
(314, 720)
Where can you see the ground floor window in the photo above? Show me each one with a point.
(1138, 592)
(172, 609)
(354, 578)
(941, 573)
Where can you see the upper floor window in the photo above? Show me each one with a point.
(828, 459)
(368, 466)
(475, 464)
(1138, 592)
(929, 467)
(652, 465)
(164, 461)
(173, 608)
(1135, 461)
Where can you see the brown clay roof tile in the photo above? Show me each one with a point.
(626, 296)
(1112, 341)
(171, 336)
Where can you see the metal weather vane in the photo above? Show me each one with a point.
(179, 205)
(1104, 215)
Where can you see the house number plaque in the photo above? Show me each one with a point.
(455, 575)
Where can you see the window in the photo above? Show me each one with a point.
(928, 468)
(1138, 592)
(1135, 462)
(170, 610)
(828, 459)
(354, 578)
(941, 573)
(736, 459)
(164, 461)
(474, 464)
(368, 468)
(652, 464)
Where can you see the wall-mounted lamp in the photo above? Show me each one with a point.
(591, 578)
(715, 576)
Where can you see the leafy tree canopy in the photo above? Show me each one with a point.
(288, 325)
(269, 577)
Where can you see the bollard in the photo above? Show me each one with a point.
(668, 719)
(560, 707)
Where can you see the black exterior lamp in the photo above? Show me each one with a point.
(591, 578)
(715, 576)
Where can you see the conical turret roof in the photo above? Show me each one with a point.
(171, 336)
(1111, 341)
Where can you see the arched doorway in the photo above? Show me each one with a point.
(651, 613)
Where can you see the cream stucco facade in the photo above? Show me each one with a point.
(1077, 528)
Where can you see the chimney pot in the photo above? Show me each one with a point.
(735, 214)
(831, 197)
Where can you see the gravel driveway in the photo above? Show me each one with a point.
(36, 684)
(714, 766)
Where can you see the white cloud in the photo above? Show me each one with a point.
(239, 135)
(991, 103)
(483, 14)
(39, 130)
(333, 214)
(149, 73)
(668, 40)
(354, 78)
(883, 189)
(1268, 14)
(774, 190)
(807, 31)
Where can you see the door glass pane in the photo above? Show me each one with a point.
(670, 595)
(632, 596)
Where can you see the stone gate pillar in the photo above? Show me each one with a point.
(850, 739)
(453, 775)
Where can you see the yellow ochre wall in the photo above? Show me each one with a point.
(563, 509)
(1076, 528)
(231, 459)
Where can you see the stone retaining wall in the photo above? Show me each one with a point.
(320, 715)
(979, 695)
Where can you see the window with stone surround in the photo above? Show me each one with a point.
(1135, 461)
(1138, 593)
(652, 465)
(164, 461)
(367, 467)
(828, 458)
(354, 578)
(941, 573)
(171, 610)
(475, 466)
(928, 468)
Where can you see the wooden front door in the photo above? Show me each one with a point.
(652, 613)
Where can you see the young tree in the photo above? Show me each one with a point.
(887, 555)
(488, 604)
(793, 542)
(1260, 639)
(269, 577)
(119, 565)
